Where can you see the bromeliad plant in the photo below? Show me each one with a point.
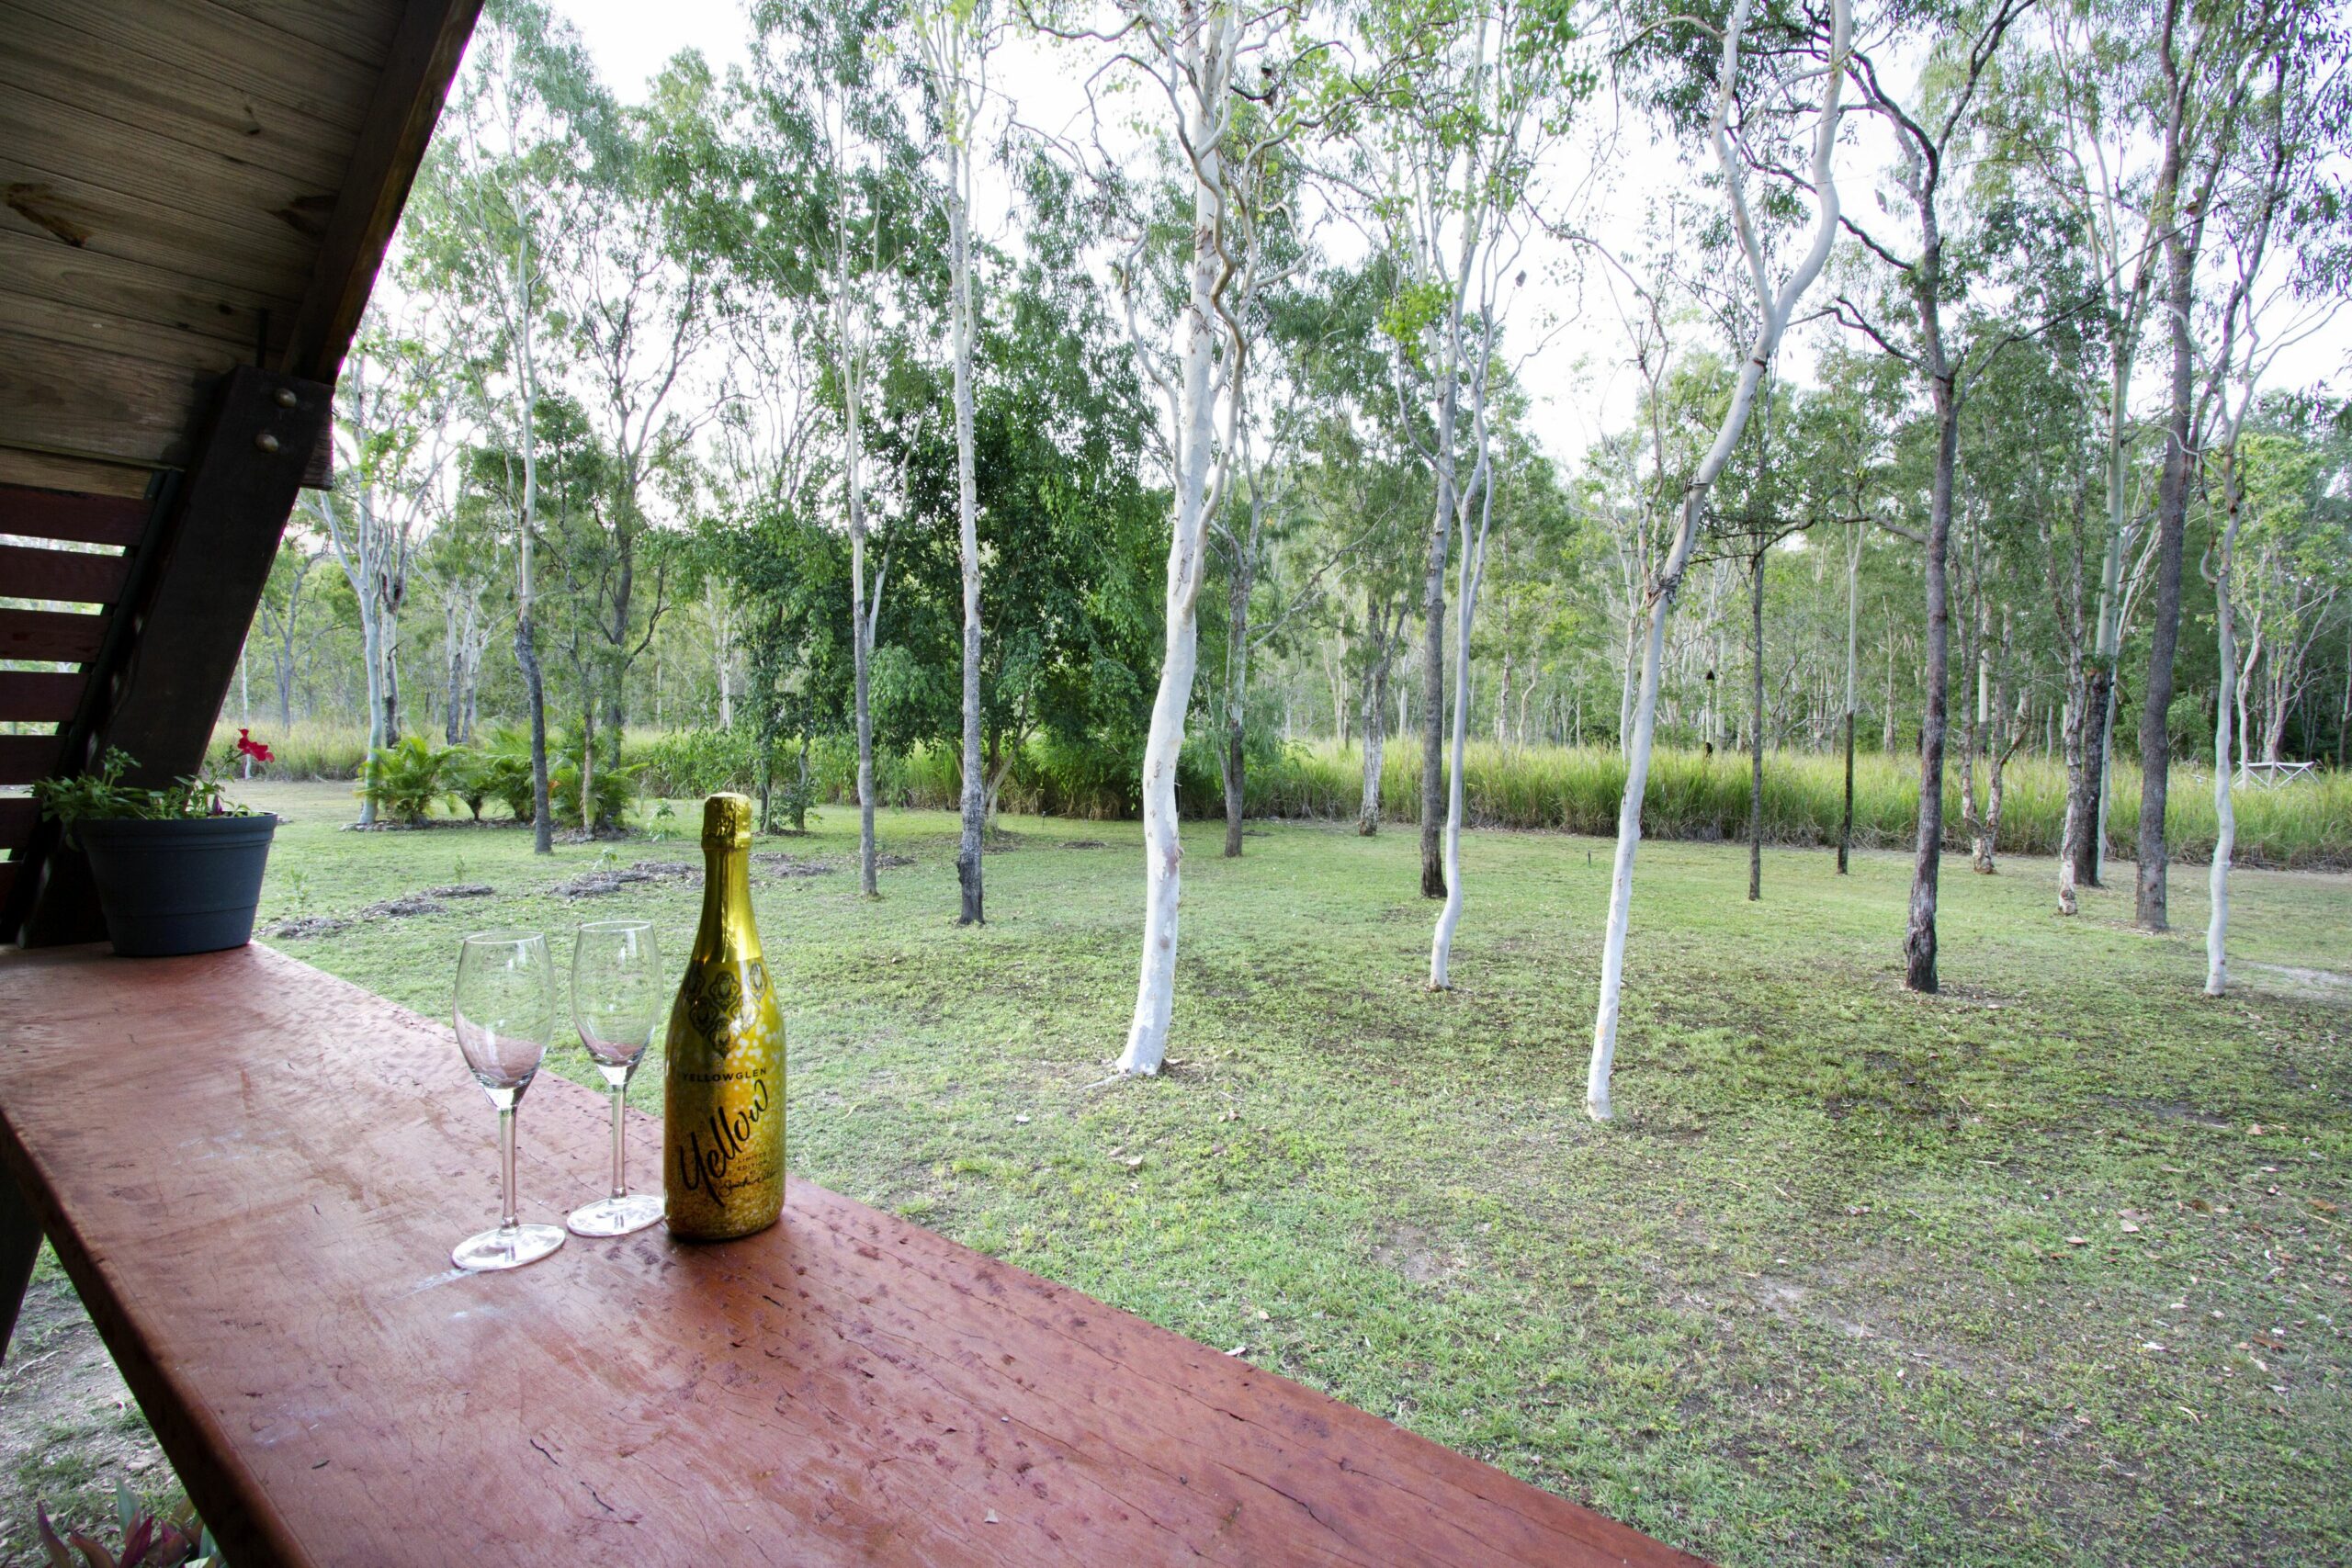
(100, 796)
(171, 1537)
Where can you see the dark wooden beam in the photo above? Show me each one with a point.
(19, 1246)
(65, 514)
(159, 680)
(401, 115)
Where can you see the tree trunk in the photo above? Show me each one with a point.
(1375, 750)
(1919, 939)
(371, 650)
(1853, 649)
(1756, 730)
(1628, 679)
(1376, 704)
(452, 718)
(2225, 820)
(2164, 636)
(1194, 470)
(1433, 691)
(1471, 571)
(1887, 714)
(1972, 732)
(2081, 804)
(526, 655)
(1243, 577)
(588, 764)
(967, 522)
(526, 647)
(864, 607)
(388, 688)
(1775, 310)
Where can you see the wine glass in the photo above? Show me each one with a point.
(616, 1002)
(506, 1015)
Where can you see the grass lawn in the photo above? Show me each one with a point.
(2049, 1269)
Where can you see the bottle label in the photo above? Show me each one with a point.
(724, 1117)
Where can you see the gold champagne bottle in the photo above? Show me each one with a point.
(722, 1101)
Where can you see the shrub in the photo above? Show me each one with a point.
(613, 788)
(685, 764)
(404, 779)
(499, 770)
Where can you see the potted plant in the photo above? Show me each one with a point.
(178, 869)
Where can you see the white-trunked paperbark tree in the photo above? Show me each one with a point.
(494, 217)
(1482, 90)
(1773, 306)
(1479, 490)
(1472, 96)
(952, 41)
(1197, 53)
(393, 442)
(2087, 159)
(2286, 150)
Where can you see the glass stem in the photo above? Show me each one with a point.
(507, 1219)
(620, 1186)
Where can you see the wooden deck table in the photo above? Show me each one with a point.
(254, 1173)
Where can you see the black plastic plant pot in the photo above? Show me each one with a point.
(170, 888)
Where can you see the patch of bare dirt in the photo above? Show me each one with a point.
(428, 902)
(612, 879)
(1408, 1251)
(2312, 985)
(777, 865)
(68, 1429)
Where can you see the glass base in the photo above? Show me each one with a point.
(617, 1216)
(506, 1248)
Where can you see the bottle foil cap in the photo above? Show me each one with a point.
(727, 821)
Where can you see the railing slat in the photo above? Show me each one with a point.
(72, 576)
(66, 515)
(56, 637)
(35, 696)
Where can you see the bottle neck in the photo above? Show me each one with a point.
(726, 931)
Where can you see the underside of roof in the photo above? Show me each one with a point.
(195, 199)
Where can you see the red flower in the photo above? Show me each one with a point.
(252, 748)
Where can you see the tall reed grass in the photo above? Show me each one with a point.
(309, 749)
(1563, 789)
(1695, 795)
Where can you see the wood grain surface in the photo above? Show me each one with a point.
(255, 1172)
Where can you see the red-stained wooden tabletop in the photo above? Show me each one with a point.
(254, 1173)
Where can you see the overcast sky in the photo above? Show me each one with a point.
(1578, 381)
